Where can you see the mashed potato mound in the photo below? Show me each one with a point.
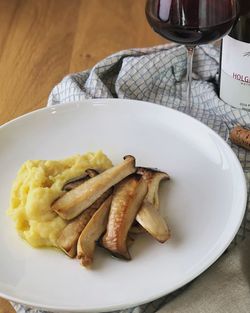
(37, 185)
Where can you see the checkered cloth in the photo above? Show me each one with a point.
(158, 75)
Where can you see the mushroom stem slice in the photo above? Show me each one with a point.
(80, 198)
(152, 221)
(127, 199)
(149, 216)
(92, 232)
(67, 241)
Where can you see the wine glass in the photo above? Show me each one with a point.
(191, 23)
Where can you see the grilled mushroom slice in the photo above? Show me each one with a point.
(80, 198)
(153, 178)
(153, 222)
(76, 181)
(92, 232)
(70, 234)
(149, 216)
(67, 241)
(127, 199)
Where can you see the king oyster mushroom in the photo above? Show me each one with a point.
(68, 238)
(149, 216)
(67, 241)
(76, 181)
(92, 232)
(80, 198)
(127, 199)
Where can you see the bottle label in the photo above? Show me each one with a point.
(235, 73)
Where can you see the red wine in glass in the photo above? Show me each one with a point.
(191, 23)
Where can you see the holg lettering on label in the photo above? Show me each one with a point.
(242, 78)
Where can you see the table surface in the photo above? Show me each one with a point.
(42, 41)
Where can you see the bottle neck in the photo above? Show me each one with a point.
(244, 7)
(241, 30)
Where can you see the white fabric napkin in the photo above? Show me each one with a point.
(223, 288)
(158, 75)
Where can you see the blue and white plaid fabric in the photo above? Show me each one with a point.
(158, 75)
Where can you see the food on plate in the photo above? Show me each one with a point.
(149, 216)
(37, 185)
(76, 181)
(241, 137)
(68, 238)
(127, 198)
(92, 232)
(80, 198)
(74, 203)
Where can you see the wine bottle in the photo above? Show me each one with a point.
(235, 61)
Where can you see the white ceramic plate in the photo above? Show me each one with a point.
(204, 203)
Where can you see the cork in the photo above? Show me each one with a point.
(241, 137)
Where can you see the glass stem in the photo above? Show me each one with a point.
(190, 55)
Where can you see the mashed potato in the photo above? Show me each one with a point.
(37, 185)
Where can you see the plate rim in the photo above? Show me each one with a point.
(103, 101)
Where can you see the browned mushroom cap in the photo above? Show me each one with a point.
(149, 216)
(76, 181)
(92, 232)
(80, 198)
(127, 199)
(70, 234)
